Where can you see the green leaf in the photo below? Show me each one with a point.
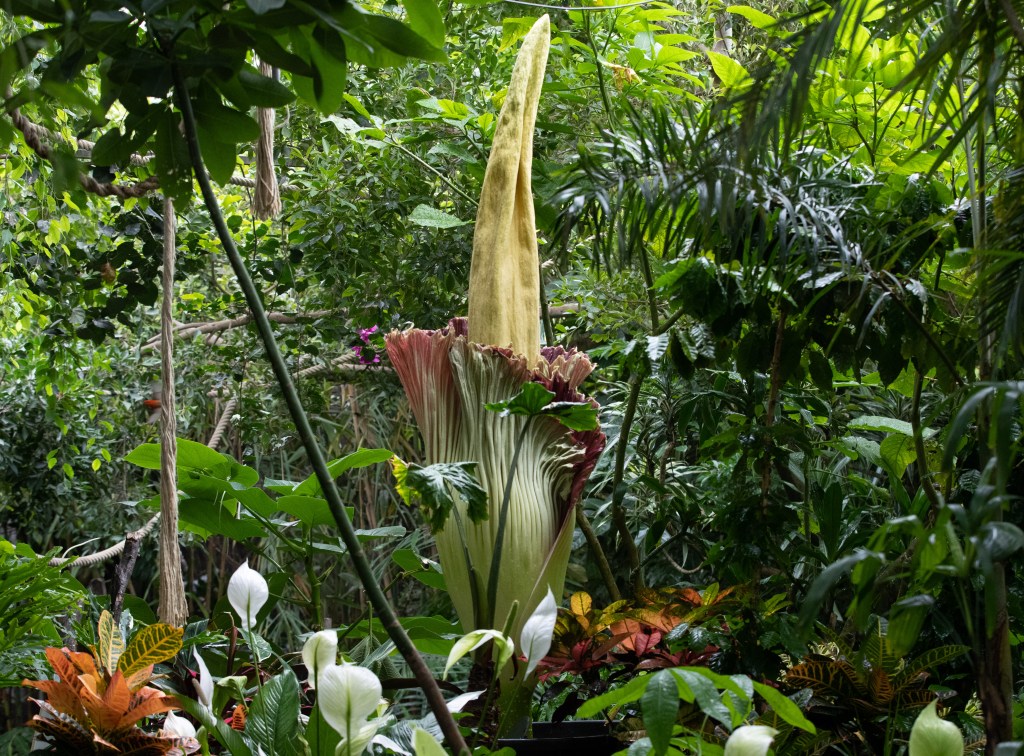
(422, 569)
(206, 517)
(514, 29)
(531, 400)
(660, 705)
(731, 73)
(273, 719)
(431, 488)
(431, 217)
(577, 416)
(424, 744)
(887, 425)
(631, 691)
(757, 18)
(426, 20)
(898, 453)
(706, 694)
(787, 710)
(171, 159)
(359, 458)
(191, 455)
(310, 510)
(249, 87)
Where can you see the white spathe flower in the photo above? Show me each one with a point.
(470, 642)
(750, 740)
(177, 726)
(538, 630)
(204, 685)
(319, 652)
(347, 696)
(933, 736)
(247, 592)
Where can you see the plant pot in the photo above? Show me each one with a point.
(591, 737)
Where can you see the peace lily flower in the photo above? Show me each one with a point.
(933, 736)
(451, 373)
(319, 653)
(177, 726)
(750, 740)
(538, 632)
(247, 592)
(347, 695)
(204, 685)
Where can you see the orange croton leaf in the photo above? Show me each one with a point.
(61, 696)
(58, 658)
(60, 726)
(154, 702)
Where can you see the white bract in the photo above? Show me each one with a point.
(247, 592)
(933, 736)
(539, 629)
(204, 685)
(319, 653)
(347, 695)
(472, 641)
(178, 726)
(750, 740)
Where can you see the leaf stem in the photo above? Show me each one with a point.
(362, 566)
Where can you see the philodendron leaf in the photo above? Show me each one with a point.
(431, 488)
(533, 399)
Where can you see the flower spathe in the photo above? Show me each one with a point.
(347, 695)
(204, 685)
(247, 592)
(448, 380)
(319, 652)
(750, 740)
(932, 735)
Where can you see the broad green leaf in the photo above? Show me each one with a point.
(729, 72)
(631, 691)
(259, 7)
(426, 20)
(424, 570)
(190, 454)
(431, 217)
(531, 400)
(432, 487)
(514, 29)
(787, 710)
(887, 425)
(757, 18)
(359, 458)
(151, 645)
(660, 705)
(706, 694)
(897, 453)
(273, 717)
(205, 517)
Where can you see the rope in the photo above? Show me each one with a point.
(145, 530)
(35, 135)
(173, 608)
(266, 201)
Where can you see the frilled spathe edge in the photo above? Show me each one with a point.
(448, 380)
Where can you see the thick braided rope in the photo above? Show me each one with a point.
(145, 530)
(37, 138)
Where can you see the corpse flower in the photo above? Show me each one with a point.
(450, 375)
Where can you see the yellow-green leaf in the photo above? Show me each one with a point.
(151, 645)
(109, 642)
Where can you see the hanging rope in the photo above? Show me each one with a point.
(173, 609)
(266, 201)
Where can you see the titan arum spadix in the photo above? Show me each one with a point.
(451, 373)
